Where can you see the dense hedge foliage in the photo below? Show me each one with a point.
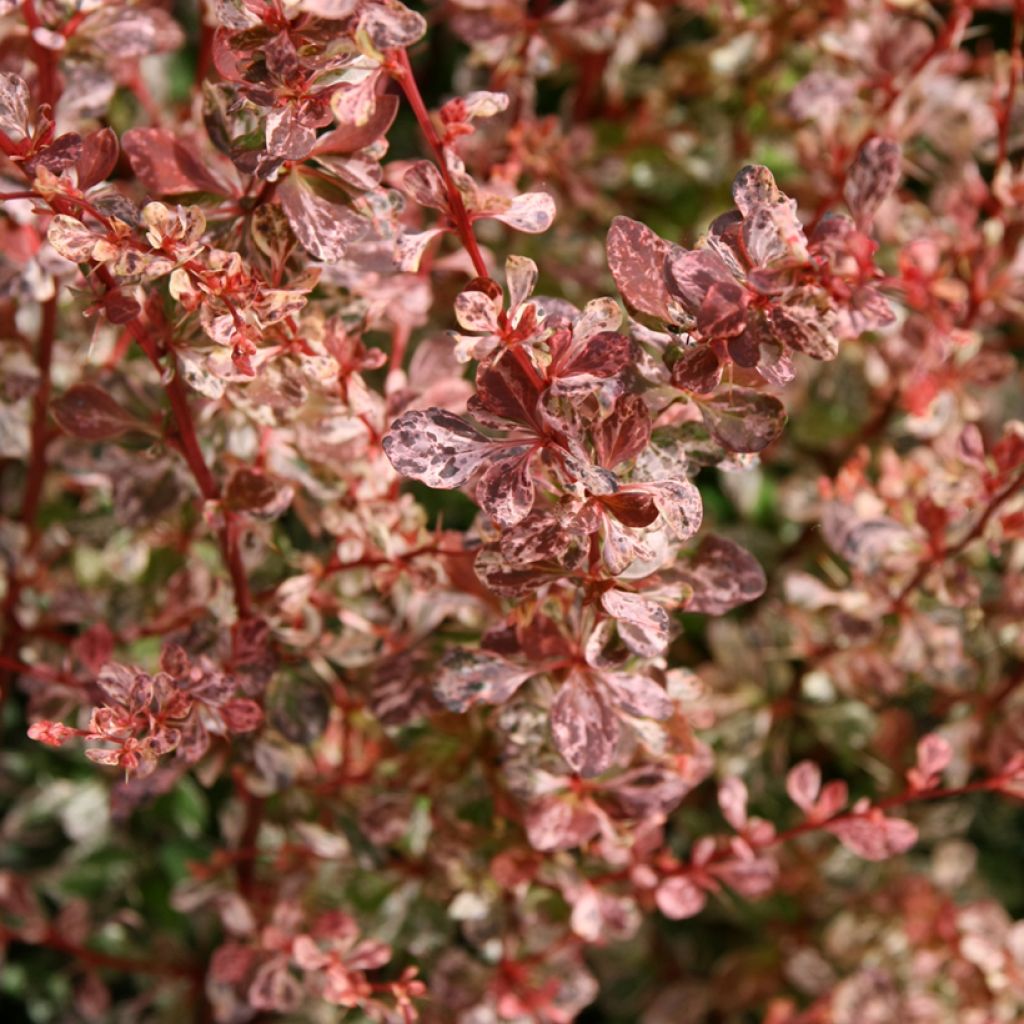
(512, 511)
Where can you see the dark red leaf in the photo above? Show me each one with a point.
(636, 258)
(166, 166)
(88, 412)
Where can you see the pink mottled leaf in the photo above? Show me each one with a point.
(391, 24)
(643, 625)
(125, 32)
(585, 728)
(637, 695)
(422, 181)
(678, 898)
(875, 837)
(624, 433)
(323, 227)
(807, 324)
(873, 177)
(680, 505)
(505, 491)
(636, 258)
(478, 306)
(732, 799)
(554, 823)
(723, 576)
(803, 784)
(478, 677)
(742, 419)
(436, 447)
(14, 99)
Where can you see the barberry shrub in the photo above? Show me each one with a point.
(512, 511)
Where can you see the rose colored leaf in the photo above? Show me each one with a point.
(165, 165)
(742, 419)
(771, 228)
(478, 677)
(531, 212)
(638, 695)
(274, 988)
(129, 32)
(585, 728)
(325, 229)
(697, 369)
(88, 412)
(934, 754)
(391, 24)
(753, 877)
(732, 799)
(723, 576)
(436, 447)
(584, 365)
(834, 797)
(97, 158)
(875, 837)
(636, 259)
(690, 274)
(803, 784)
(873, 177)
(61, 154)
(241, 715)
(510, 580)
(478, 306)
(554, 823)
(649, 791)
(643, 625)
(678, 898)
(362, 129)
(334, 10)
(806, 327)
(422, 181)
(14, 99)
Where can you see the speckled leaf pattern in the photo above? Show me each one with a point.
(478, 677)
(585, 728)
(643, 624)
(636, 259)
(723, 576)
(742, 419)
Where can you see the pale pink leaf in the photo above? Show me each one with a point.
(679, 898)
(643, 624)
(585, 729)
(803, 784)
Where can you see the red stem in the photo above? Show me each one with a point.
(460, 216)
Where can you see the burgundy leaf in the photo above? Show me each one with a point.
(697, 369)
(723, 313)
(88, 412)
(585, 729)
(636, 258)
(504, 390)
(624, 433)
(97, 158)
(689, 274)
(723, 576)
(742, 419)
(166, 166)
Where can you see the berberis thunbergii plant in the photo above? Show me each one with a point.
(521, 504)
